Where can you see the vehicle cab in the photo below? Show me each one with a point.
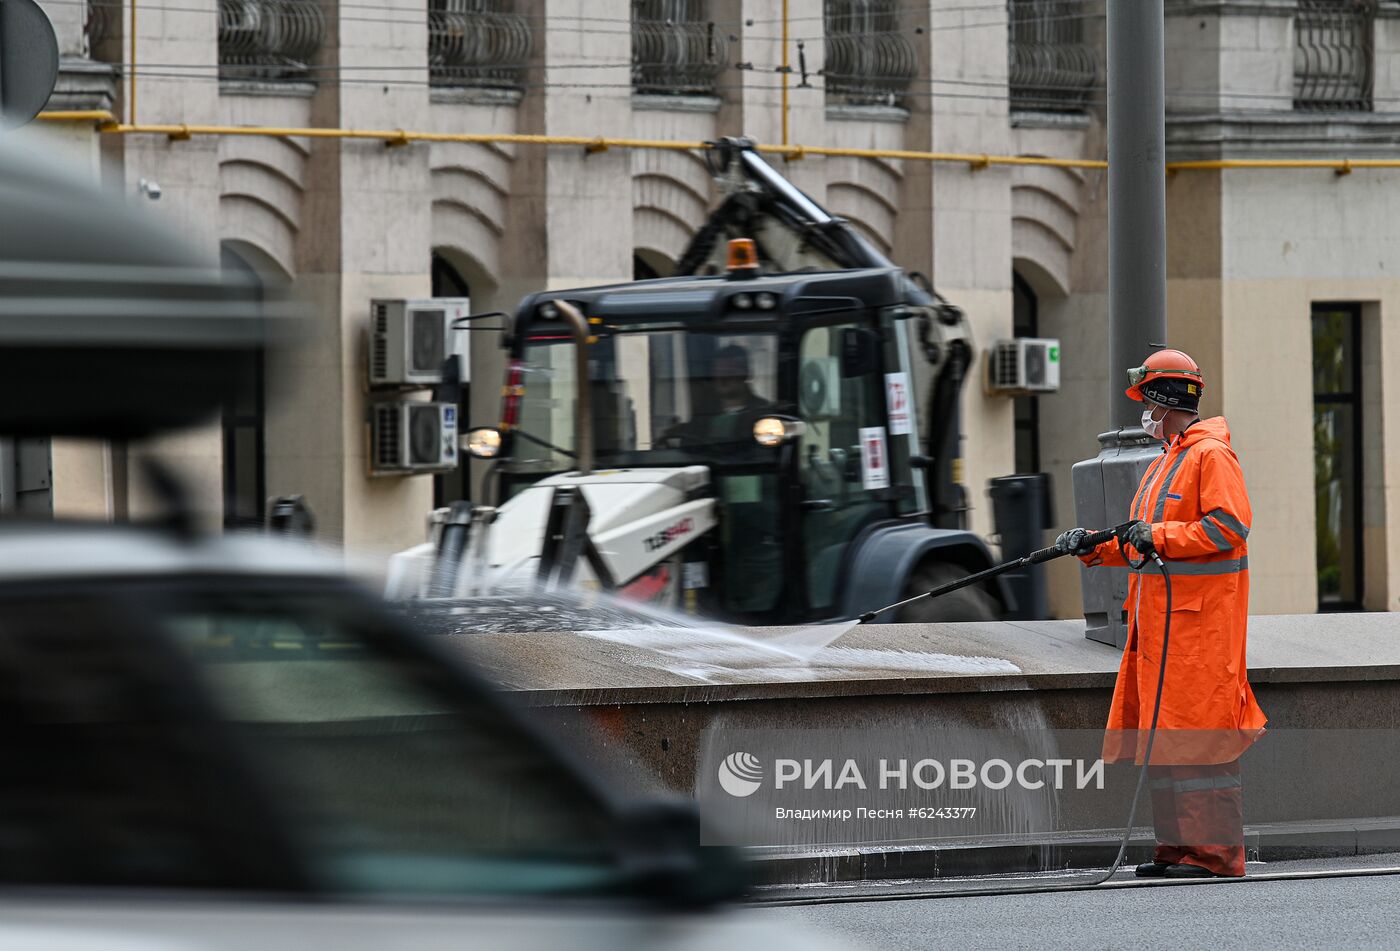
(788, 396)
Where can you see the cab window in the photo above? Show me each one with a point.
(845, 454)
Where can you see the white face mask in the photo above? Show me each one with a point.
(1154, 427)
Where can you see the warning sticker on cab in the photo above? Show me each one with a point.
(897, 402)
(874, 458)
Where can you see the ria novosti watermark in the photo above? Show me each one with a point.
(784, 787)
(859, 783)
(741, 774)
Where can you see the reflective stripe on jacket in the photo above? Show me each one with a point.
(1194, 497)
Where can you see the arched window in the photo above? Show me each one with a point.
(648, 265)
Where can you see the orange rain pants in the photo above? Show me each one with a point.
(1198, 816)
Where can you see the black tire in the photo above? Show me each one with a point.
(973, 603)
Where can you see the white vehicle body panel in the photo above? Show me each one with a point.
(639, 518)
(136, 925)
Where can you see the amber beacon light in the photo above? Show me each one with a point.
(742, 259)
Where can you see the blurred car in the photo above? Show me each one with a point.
(222, 741)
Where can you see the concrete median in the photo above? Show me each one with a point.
(1321, 782)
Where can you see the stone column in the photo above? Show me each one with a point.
(752, 91)
(569, 214)
(367, 235)
(188, 175)
(972, 223)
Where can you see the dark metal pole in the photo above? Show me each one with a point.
(1137, 195)
(1137, 290)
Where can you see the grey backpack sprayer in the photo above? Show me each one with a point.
(1039, 557)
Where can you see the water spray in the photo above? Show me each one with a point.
(1039, 557)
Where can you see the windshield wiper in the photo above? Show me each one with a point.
(546, 444)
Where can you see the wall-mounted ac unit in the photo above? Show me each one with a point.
(1024, 365)
(819, 387)
(408, 436)
(410, 339)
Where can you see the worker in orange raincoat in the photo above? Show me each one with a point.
(1192, 509)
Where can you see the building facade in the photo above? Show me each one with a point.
(1281, 280)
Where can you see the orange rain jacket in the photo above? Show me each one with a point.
(1194, 497)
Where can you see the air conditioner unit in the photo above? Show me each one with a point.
(410, 339)
(1024, 365)
(408, 436)
(819, 387)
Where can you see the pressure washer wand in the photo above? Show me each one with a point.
(1034, 558)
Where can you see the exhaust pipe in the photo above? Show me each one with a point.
(583, 419)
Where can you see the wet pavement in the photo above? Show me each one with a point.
(1356, 912)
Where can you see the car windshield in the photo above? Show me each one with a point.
(245, 740)
(660, 397)
(395, 781)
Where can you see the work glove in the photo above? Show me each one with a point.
(1139, 535)
(1072, 541)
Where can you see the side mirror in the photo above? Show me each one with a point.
(860, 352)
(483, 442)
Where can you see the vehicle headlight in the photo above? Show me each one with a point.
(741, 301)
(776, 430)
(484, 442)
(765, 300)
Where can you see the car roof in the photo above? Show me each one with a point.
(57, 551)
(81, 265)
(693, 296)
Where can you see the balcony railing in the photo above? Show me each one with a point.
(1052, 68)
(868, 60)
(1334, 55)
(480, 43)
(269, 39)
(676, 50)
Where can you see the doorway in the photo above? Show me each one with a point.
(1025, 322)
(244, 420)
(1338, 455)
(454, 486)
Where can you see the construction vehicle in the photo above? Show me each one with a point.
(739, 441)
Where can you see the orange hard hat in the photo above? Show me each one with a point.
(1165, 365)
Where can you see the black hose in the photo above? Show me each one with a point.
(1034, 558)
(1151, 730)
